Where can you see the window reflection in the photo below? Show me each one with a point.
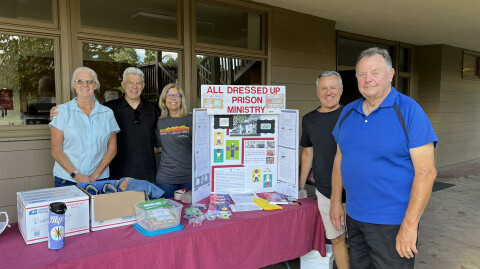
(109, 62)
(38, 10)
(228, 26)
(27, 79)
(152, 18)
(227, 71)
(470, 66)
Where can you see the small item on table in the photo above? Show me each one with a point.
(302, 194)
(192, 212)
(177, 195)
(187, 197)
(199, 206)
(158, 214)
(266, 205)
(197, 221)
(219, 206)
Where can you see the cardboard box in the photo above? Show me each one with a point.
(33, 209)
(313, 259)
(113, 209)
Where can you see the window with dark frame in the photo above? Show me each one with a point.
(470, 66)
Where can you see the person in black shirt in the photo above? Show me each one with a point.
(137, 119)
(319, 148)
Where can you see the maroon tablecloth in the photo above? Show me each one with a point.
(246, 240)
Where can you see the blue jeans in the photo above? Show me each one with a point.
(60, 182)
(171, 188)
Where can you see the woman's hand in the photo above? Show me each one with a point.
(94, 176)
(83, 178)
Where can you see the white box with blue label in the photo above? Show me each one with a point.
(33, 208)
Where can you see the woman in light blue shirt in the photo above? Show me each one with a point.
(84, 134)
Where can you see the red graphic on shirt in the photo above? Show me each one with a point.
(175, 130)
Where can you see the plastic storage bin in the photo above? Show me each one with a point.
(313, 260)
(158, 214)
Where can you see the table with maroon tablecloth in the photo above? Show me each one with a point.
(246, 240)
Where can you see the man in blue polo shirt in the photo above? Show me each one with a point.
(385, 162)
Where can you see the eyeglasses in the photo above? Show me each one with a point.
(173, 95)
(136, 117)
(81, 81)
(131, 83)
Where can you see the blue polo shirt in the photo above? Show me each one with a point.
(85, 139)
(377, 171)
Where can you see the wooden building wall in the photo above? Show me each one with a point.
(302, 46)
(25, 164)
(450, 102)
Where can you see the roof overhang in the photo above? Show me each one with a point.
(417, 22)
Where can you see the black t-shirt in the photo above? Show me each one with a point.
(317, 133)
(135, 157)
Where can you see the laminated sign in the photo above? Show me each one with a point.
(243, 99)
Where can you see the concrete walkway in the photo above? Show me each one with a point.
(449, 236)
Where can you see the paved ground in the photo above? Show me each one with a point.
(449, 236)
(450, 230)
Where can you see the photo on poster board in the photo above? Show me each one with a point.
(218, 139)
(223, 121)
(200, 181)
(218, 155)
(267, 180)
(245, 125)
(270, 144)
(233, 150)
(266, 126)
(256, 175)
(249, 144)
(260, 144)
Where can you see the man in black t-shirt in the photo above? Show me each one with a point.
(319, 148)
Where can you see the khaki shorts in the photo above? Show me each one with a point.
(324, 208)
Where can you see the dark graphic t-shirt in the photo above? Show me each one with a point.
(174, 135)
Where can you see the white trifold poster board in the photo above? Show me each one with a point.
(244, 140)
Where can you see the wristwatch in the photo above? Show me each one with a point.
(74, 174)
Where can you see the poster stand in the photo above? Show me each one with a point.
(244, 140)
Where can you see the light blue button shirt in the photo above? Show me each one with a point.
(85, 139)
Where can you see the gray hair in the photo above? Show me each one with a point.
(329, 74)
(373, 51)
(133, 71)
(85, 69)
